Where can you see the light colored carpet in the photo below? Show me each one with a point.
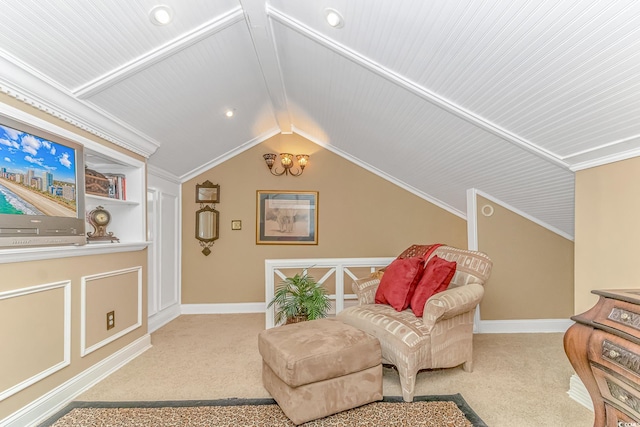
(518, 379)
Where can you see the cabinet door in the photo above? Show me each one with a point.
(163, 219)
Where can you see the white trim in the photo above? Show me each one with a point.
(66, 325)
(152, 255)
(611, 158)
(524, 215)
(161, 173)
(579, 393)
(163, 317)
(472, 219)
(47, 126)
(84, 350)
(223, 308)
(382, 174)
(415, 88)
(21, 83)
(35, 254)
(524, 326)
(472, 239)
(337, 266)
(160, 53)
(48, 404)
(229, 154)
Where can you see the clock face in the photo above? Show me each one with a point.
(101, 217)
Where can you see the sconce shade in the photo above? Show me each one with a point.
(270, 159)
(302, 160)
(286, 161)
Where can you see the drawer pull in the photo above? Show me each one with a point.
(625, 316)
(623, 396)
(621, 356)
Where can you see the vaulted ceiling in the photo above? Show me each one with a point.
(508, 97)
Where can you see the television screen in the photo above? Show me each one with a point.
(41, 187)
(37, 176)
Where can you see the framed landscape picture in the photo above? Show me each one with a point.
(287, 218)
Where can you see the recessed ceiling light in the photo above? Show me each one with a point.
(229, 113)
(334, 18)
(161, 15)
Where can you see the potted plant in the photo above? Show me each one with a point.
(300, 298)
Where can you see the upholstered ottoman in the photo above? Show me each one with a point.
(317, 368)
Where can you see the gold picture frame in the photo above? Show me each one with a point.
(286, 217)
(207, 192)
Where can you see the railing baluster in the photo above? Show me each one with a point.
(337, 266)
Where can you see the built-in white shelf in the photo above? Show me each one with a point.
(128, 217)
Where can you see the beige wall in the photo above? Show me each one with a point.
(532, 276)
(32, 325)
(23, 317)
(360, 215)
(607, 229)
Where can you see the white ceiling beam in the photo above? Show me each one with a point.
(264, 45)
(414, 88)
(158, 54)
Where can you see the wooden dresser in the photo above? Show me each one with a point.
(603, 347)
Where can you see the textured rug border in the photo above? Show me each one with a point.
(456, 398)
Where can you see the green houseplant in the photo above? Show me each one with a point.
(300, 298)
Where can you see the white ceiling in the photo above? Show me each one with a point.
(508, 97)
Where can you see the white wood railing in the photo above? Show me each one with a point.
(338, 267)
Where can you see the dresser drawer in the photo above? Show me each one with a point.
(620, 315)
(618, 393)
(617, 418)
(615, 353)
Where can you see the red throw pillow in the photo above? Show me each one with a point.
(399, 281)
(436, 278)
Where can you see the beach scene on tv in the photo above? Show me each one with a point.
(37, 176)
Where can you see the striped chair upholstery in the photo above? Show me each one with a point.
(442, 337)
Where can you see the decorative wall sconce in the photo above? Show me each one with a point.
(286, 160)
(207, 218)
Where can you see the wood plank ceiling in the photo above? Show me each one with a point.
(509, 97)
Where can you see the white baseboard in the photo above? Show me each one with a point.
(578, 392)
(47, 405)
(163, 317)
(230, 308)
(484, 326)
(523, 326)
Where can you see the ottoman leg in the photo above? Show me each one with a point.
(323, 398)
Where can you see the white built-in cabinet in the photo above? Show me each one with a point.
(127, 215)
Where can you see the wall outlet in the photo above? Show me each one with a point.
(111, 320)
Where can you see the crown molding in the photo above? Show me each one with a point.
(608, 153)
(17, 81)
(161, 173)
(229, 154)
(476, 192)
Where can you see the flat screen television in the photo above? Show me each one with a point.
(41, 187)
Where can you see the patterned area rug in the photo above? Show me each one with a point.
(434, 411)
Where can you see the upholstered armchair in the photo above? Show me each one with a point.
(442, 337)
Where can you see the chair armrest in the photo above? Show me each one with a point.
(365, 289)
(452, 302)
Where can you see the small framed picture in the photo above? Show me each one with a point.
(287, 218)
(207, 192)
